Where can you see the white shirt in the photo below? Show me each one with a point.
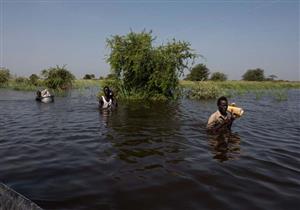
(106, 104)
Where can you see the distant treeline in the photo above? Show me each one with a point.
(57, 78)
(138, 69)
(201, 73)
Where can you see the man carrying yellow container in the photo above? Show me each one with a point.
(223, 118)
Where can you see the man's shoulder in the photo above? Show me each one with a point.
(216, 114)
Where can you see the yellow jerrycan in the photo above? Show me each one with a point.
(235, 110)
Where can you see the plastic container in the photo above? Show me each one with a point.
(235, 110)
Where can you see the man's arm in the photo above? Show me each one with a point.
(220, 123)
(101, 102)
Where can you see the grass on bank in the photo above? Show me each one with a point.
(190, 89)
(210, 89)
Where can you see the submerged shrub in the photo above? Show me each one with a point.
(144, 70)
(58, 77)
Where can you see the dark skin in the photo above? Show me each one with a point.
(226, 122)
(108, 94)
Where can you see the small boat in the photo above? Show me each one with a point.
(45, 99)
(10, 199)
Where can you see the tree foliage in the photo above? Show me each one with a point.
(21, 80)
(111, 76)
(198, 73)
(4, 76)
(143, 68)
(89, 76)
(271, 77)
(254, 75)
(58, 77)
(218, 76)
(33, 79)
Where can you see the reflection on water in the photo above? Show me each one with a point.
(141, 133)
(104, 115)
(225, 146)
(70, 155)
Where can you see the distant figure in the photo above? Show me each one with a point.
(107, 101)
(220, 120)
(45, 93)
(44, 96)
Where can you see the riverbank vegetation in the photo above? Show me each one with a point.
(213, 89)
(56, 78)
(190, 89)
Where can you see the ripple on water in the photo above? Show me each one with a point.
(68, 155)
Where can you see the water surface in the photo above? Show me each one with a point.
(69, 155)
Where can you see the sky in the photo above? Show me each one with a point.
(232, 36)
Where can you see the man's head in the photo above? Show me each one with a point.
(106, 91)
(222, 104)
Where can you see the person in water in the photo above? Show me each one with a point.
(108, 100)
(43, 93)
(221, 119)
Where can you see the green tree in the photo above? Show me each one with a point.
(111, 76)
(33, 79)
(198, 73)
(254, 75)
(21, 80)
(89, 76)
(145, 69)
(218, 76)
(271, 77)
(58, 77)
(4, 76)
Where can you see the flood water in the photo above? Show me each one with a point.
(69, 155)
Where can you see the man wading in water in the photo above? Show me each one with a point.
(107, 101)
(221, 120)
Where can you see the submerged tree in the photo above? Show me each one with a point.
(145, 69)
(198, 73)
(58, 77)
(254, 75)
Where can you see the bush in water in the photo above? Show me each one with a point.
(145, 70)
(58, 77)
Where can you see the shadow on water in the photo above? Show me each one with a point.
(142, 133)
(225, 146)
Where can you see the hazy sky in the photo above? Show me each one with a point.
(233, 36)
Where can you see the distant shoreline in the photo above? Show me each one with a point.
(200, 89)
